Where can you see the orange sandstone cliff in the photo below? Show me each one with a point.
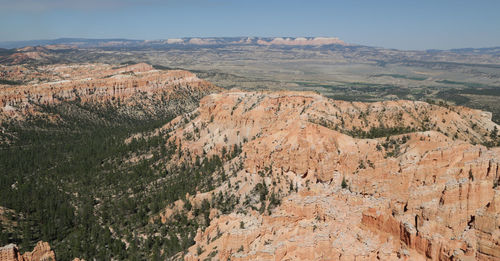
(41, 252)
(136, 89)
(426, 193)
(314, 178)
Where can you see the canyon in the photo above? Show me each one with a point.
(433, 197)
(297, 176)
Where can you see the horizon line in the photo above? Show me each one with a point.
(223, 37)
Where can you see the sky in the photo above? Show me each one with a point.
(400, 24)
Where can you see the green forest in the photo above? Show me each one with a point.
(68, 183)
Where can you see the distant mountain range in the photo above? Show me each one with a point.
(208, 41)
(83, 42)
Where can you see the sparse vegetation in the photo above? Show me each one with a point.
(377, 132)
(9, 82)
(344, 183)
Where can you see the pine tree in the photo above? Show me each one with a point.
(344, 183)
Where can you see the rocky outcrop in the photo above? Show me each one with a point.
(41, 252)
(285, 124)
(135, 86)
(420, 192)
(319, 179)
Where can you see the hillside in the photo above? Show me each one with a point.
(130, 162)
(136, 92)
(64, 162)
(294, 189)
(339, 70)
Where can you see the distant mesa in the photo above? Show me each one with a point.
(299, 41)
(65, 43)
(200, 41)
(174, 41)
(316, 41)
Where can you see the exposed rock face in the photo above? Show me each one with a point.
(136, 86)
(424, 194)
(31, 54)
(24, 55)
(41, 252)
(299, 41)
(286, 123)
(316, 41)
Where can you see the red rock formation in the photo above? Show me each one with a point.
(132, 85)
(429, 193)
(41, 252)
(426, 194)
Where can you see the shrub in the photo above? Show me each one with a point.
(344, 183)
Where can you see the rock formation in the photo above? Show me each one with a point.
(41, 252)
(418, 189)
(313, 178)
(136, 85)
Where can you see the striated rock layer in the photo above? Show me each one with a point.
(425, 192)
(138, 87)
(41, 252)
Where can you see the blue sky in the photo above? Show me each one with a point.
(437, 24)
